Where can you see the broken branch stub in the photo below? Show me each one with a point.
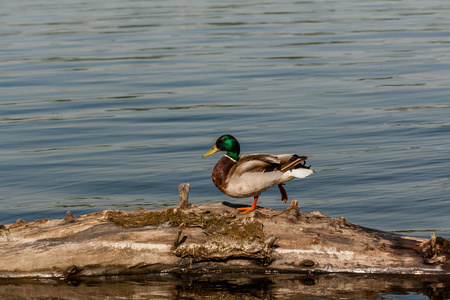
(183, 190)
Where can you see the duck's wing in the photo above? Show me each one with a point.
(293, 165)
(291, 161)
(257, 163)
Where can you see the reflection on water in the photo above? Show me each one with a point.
(238, 286)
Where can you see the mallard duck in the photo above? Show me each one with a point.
(250, 175)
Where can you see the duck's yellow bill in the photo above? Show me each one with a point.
(212, 151)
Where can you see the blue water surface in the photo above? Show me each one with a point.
(111, 105)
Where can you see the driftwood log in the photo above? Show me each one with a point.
(199, 239)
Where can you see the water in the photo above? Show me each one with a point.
(111, 104)
(289, 287)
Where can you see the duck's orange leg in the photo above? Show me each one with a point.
(244, 210)
(284, 196)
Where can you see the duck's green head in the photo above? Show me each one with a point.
(226, 143)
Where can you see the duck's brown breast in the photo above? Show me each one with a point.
(221, 172)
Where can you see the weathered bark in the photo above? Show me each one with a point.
(208, 238)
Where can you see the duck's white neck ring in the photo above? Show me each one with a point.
(230, 158)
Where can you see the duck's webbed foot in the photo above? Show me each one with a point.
(244, 210)
(284, 195)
